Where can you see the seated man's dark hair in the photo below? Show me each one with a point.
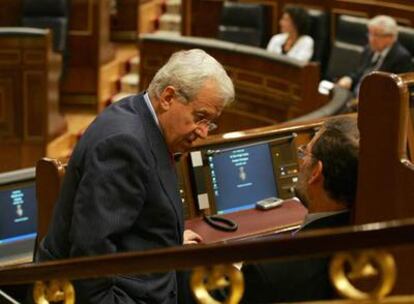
(338, 150)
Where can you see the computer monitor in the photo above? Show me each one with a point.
(241, 176)
(18, 216)
(233, 177)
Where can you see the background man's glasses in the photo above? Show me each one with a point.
(301, 152)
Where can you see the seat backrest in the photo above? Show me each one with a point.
(352, 30)
(49, 178)
(51, 14)
(243, 23)
(319, 31)
(350, 39)
(343, 60)
(406, 38)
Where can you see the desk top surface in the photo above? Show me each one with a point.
(253, 223)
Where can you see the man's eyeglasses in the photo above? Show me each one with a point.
(198, 117)
(302, 152)
(211, 126)
(201, 121)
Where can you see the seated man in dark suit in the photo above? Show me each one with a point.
(327, 181)
(383, 53)
(120, 191)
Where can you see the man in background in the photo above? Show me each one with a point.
(327, 181)
(383, 53)
(120, 191)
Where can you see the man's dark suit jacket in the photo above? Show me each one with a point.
(398, 60)
(120, 193)
(293, 280)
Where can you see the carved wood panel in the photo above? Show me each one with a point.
(34, 91)
(8, 103)
(29, 112)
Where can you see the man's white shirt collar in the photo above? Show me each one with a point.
(381, 54)
(151, 108)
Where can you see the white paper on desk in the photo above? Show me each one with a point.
(325, 87)
(238, 265)
(196, 159)
(203, 202)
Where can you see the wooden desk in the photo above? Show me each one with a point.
(89, 49)
(253, 223)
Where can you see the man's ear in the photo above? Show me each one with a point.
(316, 173)
(166, 97)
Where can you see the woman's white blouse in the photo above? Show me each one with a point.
(301, 50)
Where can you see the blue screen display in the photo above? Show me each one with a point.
(18, 213)
(241, 177)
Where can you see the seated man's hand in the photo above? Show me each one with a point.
(190, 237)
(345, 82)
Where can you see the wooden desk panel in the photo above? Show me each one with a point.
(89, 48)
(133, 17)
(88, 44)
(29, 98)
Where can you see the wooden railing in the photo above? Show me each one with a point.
(322, 242)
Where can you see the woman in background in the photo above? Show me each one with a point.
(293, 40)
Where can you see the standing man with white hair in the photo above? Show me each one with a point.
(120, 191)
(383, 53)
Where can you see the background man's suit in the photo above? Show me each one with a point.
(398, 60)
(120, 193)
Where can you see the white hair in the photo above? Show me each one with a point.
(386, 23)
(187, 71)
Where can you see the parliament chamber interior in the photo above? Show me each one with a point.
(63, 62)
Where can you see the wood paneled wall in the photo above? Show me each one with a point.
(89, 49)
(197, 22)
(29, 99)
(125, 20)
